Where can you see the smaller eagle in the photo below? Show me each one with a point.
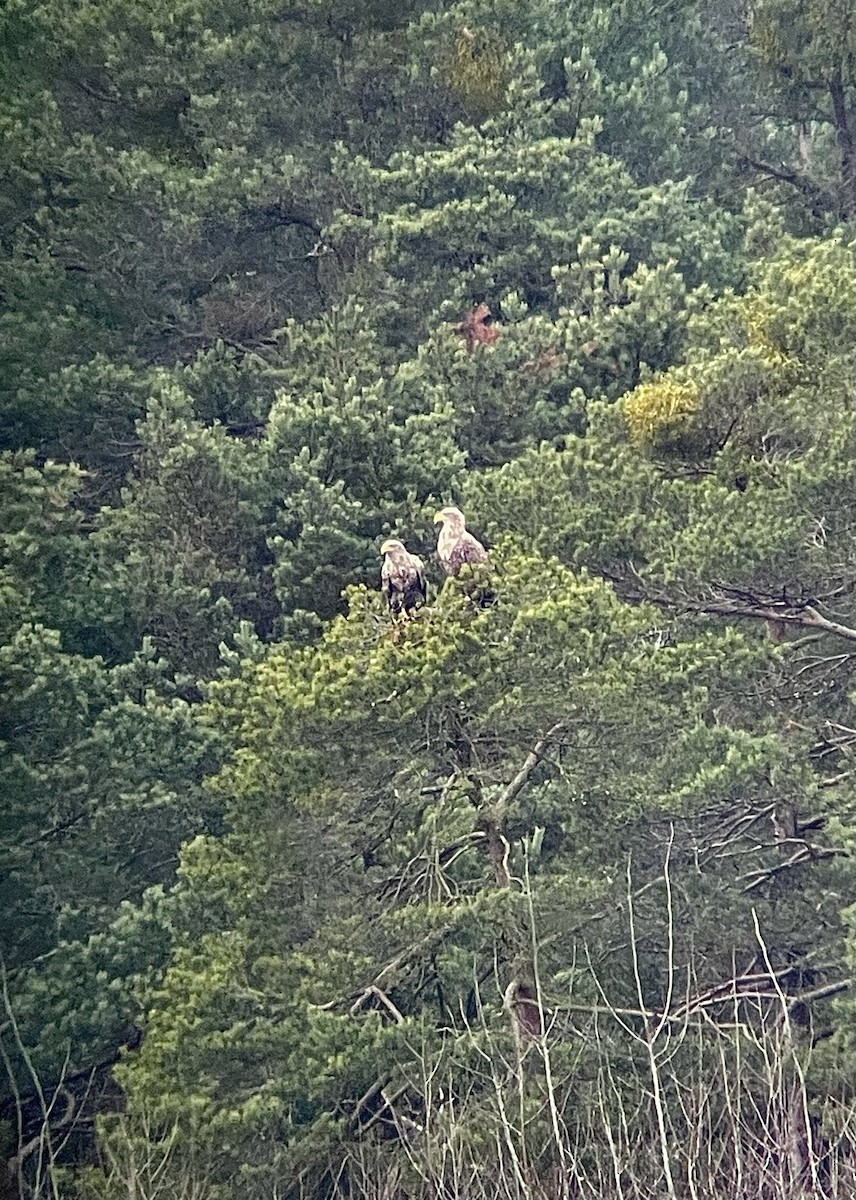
(455, 546)
(402, 578)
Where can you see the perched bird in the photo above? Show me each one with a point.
(402, 578)
(454, 545)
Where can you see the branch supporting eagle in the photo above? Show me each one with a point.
(402, 574)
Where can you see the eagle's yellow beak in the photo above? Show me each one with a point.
(439, 516)
(387, 546)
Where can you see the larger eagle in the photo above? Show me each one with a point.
(402, 578)
(455, 545)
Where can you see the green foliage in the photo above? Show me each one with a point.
(45, 559)
(352, 451)
(805, 82)
(101, 772)
(466, 691)
(277, 282)
(182, 556)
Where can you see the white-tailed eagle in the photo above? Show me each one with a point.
(402, 578)
(455, 546)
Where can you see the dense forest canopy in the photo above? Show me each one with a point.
(539, 889)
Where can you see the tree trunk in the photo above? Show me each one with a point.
(845, 145)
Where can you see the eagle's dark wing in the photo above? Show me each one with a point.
(419, 587)
(480, 536)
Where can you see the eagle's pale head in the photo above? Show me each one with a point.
(449, 513)
(391, 546)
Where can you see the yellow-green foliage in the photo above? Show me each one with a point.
(661, 412)
(694, 409)
(765, 40)
(478, 72)
(761, 334)
(804, 308)
(748, 354)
